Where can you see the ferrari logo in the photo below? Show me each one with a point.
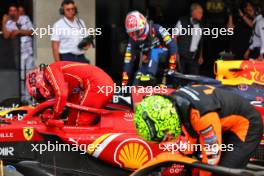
(28, 133)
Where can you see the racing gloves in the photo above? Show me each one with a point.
(172, 62)
(125, 79)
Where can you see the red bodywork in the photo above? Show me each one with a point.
(113, 139)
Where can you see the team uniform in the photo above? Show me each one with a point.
(157, 45)
(204, 115)
(78, 83)
(213, 112)
(151, 40)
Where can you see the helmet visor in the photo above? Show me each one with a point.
(136, 34)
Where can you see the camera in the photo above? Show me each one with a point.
(89, 40)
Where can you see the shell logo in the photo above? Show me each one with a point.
(132, 153)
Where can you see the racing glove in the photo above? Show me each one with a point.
(125, 79)
(172, 62)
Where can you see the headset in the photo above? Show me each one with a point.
(61, 11)
(64, 2)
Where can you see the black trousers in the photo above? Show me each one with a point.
(189, 66)
(243, 150)
(75, 58)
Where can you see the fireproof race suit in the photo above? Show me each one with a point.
(157, 45)
(215, 117)
(81, 84)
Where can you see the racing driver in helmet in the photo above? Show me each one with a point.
(207, 116)
(149, 41)
(78, 83)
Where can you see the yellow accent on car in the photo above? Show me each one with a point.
(5, 111)
(98, 141)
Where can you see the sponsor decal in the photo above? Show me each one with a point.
(209, 135)
(128, 116)
(7, 151)
(18, 116)
(132, 153)
(191, 94)
(6, 135)
(28, 133)
(243, 87)
(251, 70)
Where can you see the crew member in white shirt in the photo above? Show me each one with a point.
(68, 32)
(14, 25)
(256, 48)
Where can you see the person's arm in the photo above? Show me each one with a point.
(26, 29)
(6, 33)
(230, 22)
(55, 43)
(176, 31)
(246, 54)
(171, 45)
(55, 77)
(201, 60)
(261, 29)
(24, 32)
(55, 50)
(247, 20)
(128, 63)
(208, 127)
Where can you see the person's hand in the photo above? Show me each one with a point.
(14, 33)
(260, 58)
(172, 62)
(246, 55)
(241, 13)
(200, 60)
(5, 19)
(124, 79)
(145, 58)
(87, 47)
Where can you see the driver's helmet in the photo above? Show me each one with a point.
(137, 26)
(155, 117)
(37, 85)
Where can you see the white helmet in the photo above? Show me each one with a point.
(137, 26)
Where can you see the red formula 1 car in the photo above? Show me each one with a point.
(39, 145)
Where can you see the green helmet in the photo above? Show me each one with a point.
(155, 116)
